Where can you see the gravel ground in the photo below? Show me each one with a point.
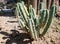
(9, 28)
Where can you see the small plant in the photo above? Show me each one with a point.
(32, 23)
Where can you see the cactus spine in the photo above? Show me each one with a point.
(31, 22)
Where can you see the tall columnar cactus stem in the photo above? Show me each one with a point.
(46, 17)
(41, 7)
(39, 21)
(23, 12)
(31, 29)
(32, 12)
(25, 8)
(41, 18)
(51, 15)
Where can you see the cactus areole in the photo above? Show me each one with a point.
(31, 22)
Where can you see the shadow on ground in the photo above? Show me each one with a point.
(16, 37)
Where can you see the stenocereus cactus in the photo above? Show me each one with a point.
(31, 22)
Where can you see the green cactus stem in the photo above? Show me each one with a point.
(51, 15)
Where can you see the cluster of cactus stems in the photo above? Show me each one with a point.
(32, 23)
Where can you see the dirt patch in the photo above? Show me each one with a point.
(9, 28)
